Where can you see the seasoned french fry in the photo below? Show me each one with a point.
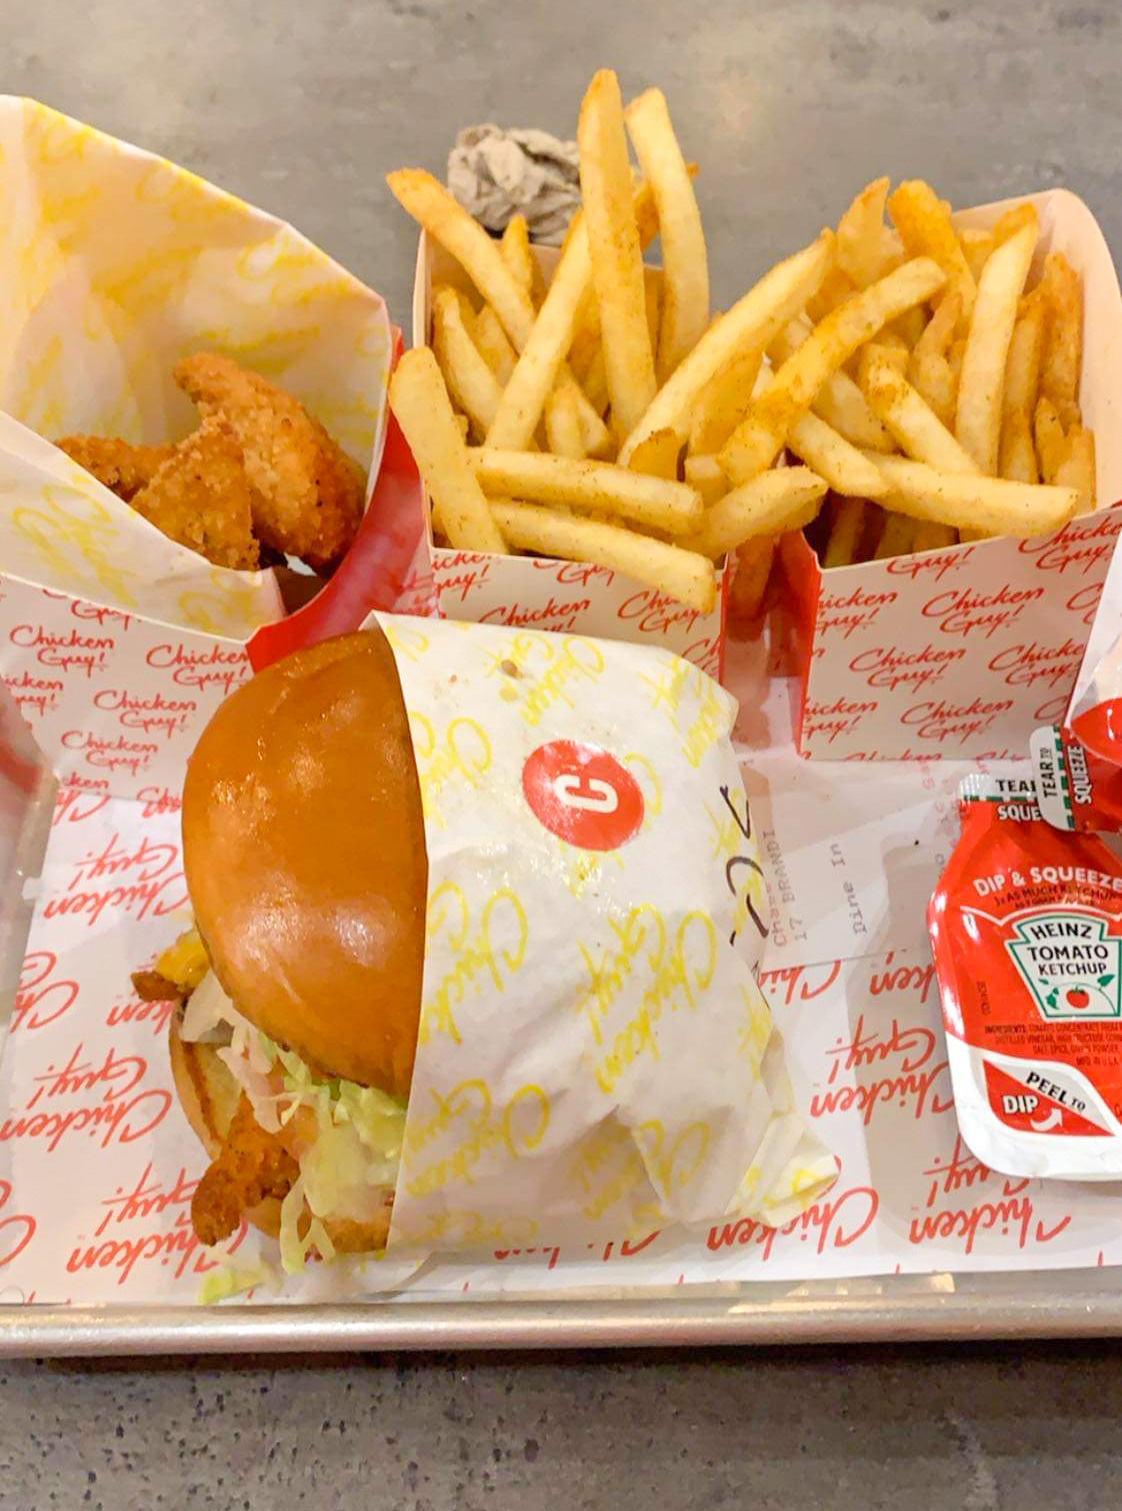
(834, 290)
(844, 541)
(940, 329)
(617, 260)
(1077, 470)
(753, 445)
(978, 407)
(839, 401)
(471, 383)
(925, 229)
(976, 247)
(657, 455)
(1012, 221)
(515, 248)
(915, 426)
(562, 424)
(422, 408)
(845, 468)
(704, 473)
(654, 501)
(1051, 443)
(494, 347)
(991, 505)
(684, 259)
(594, 433)
(1022, 366)
(1063, 346)
(652, 298)
(595, 382)
(723, 401)
(931, 377)
(1018, 458)
(867, 249)
(751, 322)
(753, 568)
(897, 537)
(785, 499)
(930, 536)
(430, 203)
(897, 357)
(684, 575)
(909, 326)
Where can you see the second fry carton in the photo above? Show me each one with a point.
(115, 642)
(962, 653)
(544, 594)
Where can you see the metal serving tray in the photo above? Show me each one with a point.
(895, 1308)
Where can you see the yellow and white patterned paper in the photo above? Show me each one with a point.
(595, 1056)
(114, 264)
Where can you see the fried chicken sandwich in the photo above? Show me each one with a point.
(293, 1046)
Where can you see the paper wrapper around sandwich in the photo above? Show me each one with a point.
(595, 1056)
(116, 642)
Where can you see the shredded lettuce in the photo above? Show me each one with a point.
(355, 1153)
(231, 1279)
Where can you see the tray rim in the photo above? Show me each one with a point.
(975, 1308)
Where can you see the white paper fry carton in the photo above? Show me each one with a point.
(963, 652)
(538, 592)
(115, 642)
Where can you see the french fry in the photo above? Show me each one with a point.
(654, 501)
(652, 299)
(940, 329)
(751, 322)
(978, 407)
(834, 289)
(844, 466)
(843, 544)
(1022, 366)
(594, 433)
(562, 424)
(753, 445)
(839, 401)
(1077, 470)
(422, 408)
(753, 568)
(471, 383)
(494, 347)
(1063, 346)
(703, 473)
(1051, 443)
(430, 203)
(1018, 458)
(595, 382)
(897, 357)
(931, 377)
(925, 229)
(930, 536)
(896, 537)
(1012, 221)
(976, 247)
(683, 575)
(617, 260)
(723, 401)
(991, 505)
(867, 249)
(515, 247)
(909, 326)
(785, 499)
(685, 312)
(915, 426)
(657, 455)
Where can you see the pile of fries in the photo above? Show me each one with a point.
(899, 376)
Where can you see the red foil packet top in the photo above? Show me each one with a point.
(1076, 788)
(1026, 930)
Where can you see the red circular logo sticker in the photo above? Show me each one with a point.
(583, 794)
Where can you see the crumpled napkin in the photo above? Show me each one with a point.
(495, 173)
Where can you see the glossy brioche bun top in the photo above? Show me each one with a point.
(304, 850)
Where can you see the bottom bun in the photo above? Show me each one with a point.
(209, 1095)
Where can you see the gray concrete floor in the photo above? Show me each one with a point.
(302, 106)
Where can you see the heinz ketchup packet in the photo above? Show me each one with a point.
(1026, 929)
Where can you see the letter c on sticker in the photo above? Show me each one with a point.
(583, 794)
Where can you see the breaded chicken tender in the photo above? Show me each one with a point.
(252, 1165)
(201, 497)
(117, 464)
(307, 493)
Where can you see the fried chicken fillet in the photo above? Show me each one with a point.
(307, 493)
(200, 496)
(118, 465)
